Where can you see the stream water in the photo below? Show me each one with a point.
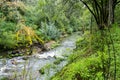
(20, 68)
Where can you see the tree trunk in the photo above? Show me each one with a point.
(111, 13)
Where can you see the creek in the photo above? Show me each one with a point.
(39, 66)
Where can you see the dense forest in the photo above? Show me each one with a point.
(32, 27)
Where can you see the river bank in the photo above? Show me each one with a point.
(49, 62)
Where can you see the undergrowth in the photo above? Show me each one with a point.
(94, 57)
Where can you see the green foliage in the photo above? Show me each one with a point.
(50, 31)
(84, 40)
(12, 11)
(59, 15)
(86, 68)
(7, 34)
(116, 38)
(7, 26)
(7, 40)
(49, 19)
(90, 60)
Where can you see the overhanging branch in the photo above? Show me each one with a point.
(89, 10)
(87, 6)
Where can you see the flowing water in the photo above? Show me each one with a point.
(20, 68)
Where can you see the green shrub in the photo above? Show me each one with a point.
(13, 11)
(8, 40)
(89, 68)
(7, 26)
(50, 31)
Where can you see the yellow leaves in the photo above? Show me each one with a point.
(28, 35)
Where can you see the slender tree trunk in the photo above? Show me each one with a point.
(111, 13)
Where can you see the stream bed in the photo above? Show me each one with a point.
(39, 66)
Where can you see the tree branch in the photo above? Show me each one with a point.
(97, 4)
(87, 6)
(90, 10)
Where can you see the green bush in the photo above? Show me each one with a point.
(49, 31)
(89, 68)
(12, 12)
(7, 34)
(7, 26)
(8, 40)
